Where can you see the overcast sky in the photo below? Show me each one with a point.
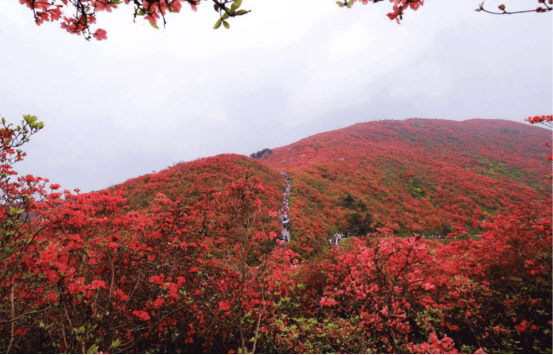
(145, 98)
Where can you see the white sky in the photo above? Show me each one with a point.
(145, 98)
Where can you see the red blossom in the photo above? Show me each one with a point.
(20, 331)
(538, 119)
(223, 305)
(75, 288)
(522, 326)
(158, 303)
(328, 302)
(98, 284)
(52, 276)
(142, 315)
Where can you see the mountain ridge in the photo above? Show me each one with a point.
(409, 125)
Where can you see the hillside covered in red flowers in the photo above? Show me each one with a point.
(446, 248)
(420, 175)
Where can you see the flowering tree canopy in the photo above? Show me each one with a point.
(79, 16)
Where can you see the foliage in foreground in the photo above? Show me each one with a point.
(85, 273)
(79, 16)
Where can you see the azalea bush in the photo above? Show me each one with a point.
(205, 272)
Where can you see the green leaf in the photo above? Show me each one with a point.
(241, 12)
(237, 3)
(79, 331)
(93, 349)
(15, 211)
(226, 24)
(225, 16)
(218, 23)
(115, 343)
(341, 4)
(154, 25)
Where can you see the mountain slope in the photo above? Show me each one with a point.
(417, 175)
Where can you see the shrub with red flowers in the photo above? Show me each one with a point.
(187, 260)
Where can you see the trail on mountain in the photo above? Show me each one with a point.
(285, 209)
